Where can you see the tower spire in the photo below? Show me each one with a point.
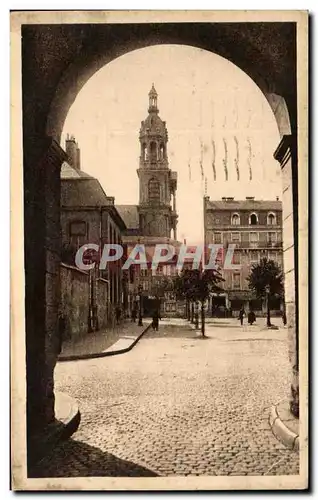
(153, 96)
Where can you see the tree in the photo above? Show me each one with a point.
(195, 286)
(266, 280)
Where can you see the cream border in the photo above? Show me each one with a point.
(18, 431)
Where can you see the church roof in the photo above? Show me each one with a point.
(129, 214)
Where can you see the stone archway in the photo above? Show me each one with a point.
(57, 60)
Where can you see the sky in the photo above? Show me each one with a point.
(213, 111)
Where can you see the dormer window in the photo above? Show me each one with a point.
(253, 219)
(235, 220)
(271, 219)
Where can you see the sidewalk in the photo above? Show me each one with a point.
(284, 425)
(118, 340)
(67, 420)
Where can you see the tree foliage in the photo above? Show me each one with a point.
(193, 285)
(266, 273)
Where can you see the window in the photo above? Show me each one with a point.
(236, 220)
(253, 239)
(254, 257)
(162, 151)
(78, 228)
(253, 219)
(78, 233)
(272, 256)
(236, 281)
(235, 237)
(236, 257)
(271, 238)
(173, 270)
(153, 151)
(154, 190)
(219, 257)
(145, 286)
(217, 237)
(144, 151)
(271, 219)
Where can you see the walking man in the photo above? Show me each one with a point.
(155, 320)
(241, 315)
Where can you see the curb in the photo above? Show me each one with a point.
(103, 354)
(42, 444)
(289, 438)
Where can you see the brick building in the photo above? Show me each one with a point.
(255, 227)
(88, 215)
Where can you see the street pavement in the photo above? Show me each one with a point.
(177, 404)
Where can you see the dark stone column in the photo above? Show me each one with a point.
(286, 154)
(42, 267)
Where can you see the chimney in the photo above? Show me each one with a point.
(78, 158)
(71, 148)
(277, 198)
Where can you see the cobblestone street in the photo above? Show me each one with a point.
(178, 404)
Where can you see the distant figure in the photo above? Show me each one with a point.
(251, 318)
(134, 314)
(241, 315)
(155, 320)
(118, 314)
(284, 318)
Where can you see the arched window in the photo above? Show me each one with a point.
(162, 151)
(253, 219)
(144, 151)
(236, 220)
(271, 219)
(153, 151)
(154, 190)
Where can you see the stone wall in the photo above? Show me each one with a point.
(74, 306)
(103, 309)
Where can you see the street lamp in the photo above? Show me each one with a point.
(140, 305)
(267, 291)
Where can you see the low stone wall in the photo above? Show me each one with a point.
(74, 306)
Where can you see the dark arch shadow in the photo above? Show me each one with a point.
(76, 459)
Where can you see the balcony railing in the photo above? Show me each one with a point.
(255, 244)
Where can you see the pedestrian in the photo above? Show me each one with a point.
(284, 318)
(118, 314)
(251, 318)
(134, 314)
(241, 315)
(155, 320)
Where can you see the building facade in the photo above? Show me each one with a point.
(255, 227)
(154, 220)
(89, 216)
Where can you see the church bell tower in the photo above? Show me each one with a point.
(157, 183)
